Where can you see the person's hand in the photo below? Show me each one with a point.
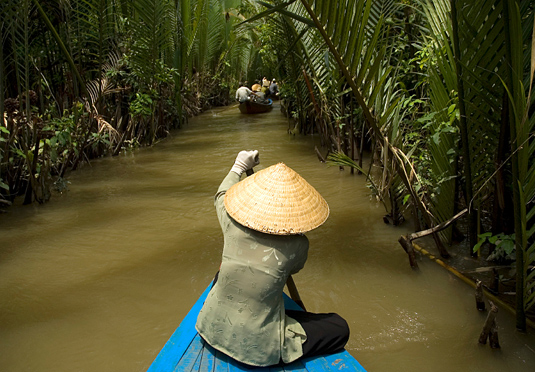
(244, 161)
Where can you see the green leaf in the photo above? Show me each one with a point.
(508, 246)
(494, 239)
(482, 239)
(436, 138)
(281, 9)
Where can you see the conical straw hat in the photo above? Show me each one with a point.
(278, 201)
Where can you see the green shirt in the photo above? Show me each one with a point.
(243, 315)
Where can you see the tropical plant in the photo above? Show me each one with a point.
(136, 69)
(519, 23)
(439, 162)
(492, 48)
(451, 124)
(360, 56)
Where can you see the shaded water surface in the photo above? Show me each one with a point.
(98, 278)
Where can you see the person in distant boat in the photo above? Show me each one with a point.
(257, 89)
(273, 89)
(265, 86)
(263, 219)
(243, 93)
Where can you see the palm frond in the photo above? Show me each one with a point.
(281, 8)
(441, 142)
(153, 40)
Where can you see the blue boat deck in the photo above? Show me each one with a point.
(186, 351)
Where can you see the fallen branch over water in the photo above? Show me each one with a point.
(406, 240)
(320, 156)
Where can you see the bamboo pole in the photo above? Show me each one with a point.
(406, 240)
(436, 228)
(470, 282)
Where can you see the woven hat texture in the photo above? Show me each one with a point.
(277, 201)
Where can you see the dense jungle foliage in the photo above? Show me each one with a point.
(438, 91)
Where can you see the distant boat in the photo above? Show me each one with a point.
(254, 107)
(187, 351)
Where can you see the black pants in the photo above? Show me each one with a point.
(326, 333)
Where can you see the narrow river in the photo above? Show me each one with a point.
(98, 278)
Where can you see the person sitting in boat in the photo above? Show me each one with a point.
(257, 89)
(263, 219)
(243, 93)
(265, 85)
(274, 89)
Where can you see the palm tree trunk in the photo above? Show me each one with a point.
(472, 215)
(2, 88)
(502, 212)
(516, 182)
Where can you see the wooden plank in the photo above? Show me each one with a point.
(317, 364)
(296, 366)
(339, 361)
(179, 341)
(194, 368)
(208, 358)
(187, 351)
(221, 362)
(235, 366)
(191, 357)
(344, 361)
(197, 365)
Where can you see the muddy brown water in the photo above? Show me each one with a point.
(98, 278)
